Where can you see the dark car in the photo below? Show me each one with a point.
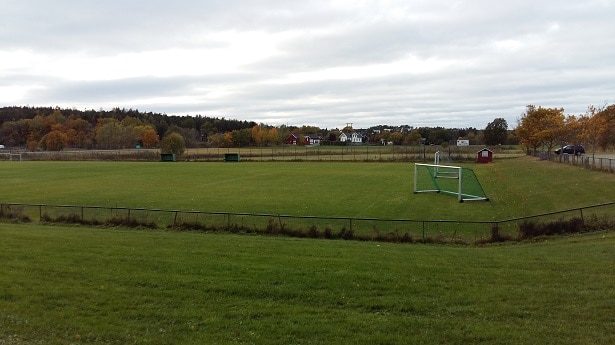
(571, 149)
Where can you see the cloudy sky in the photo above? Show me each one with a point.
(324, 63)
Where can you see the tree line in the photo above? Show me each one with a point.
(53, 129)
(542, 128)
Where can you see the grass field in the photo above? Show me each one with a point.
(516, 187)
(63, 285)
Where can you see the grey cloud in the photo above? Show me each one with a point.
(504, 55)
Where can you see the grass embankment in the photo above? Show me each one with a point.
(61, 285)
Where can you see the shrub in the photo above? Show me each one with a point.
(130, 222)
(313, 232)
(14, 214)
(496, 236)
(346, 234)
(529, 229)
(328, 233)
(189, 226)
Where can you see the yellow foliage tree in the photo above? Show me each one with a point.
(540, 126)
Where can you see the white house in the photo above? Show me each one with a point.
(353, 138)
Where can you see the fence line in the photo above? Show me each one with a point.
(352, 153)
(593, 163)
(363, 228)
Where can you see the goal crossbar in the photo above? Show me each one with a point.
(447, 179)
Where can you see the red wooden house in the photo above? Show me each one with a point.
(484, 156)
(292, 139)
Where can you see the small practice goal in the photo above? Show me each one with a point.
(452, 180)
(10, 156)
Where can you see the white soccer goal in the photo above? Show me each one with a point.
(452, 180)
(10, 156)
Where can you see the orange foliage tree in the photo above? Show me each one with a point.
(149, 138)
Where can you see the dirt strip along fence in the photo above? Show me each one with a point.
(376, 229)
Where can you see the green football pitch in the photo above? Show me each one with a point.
(515, 187)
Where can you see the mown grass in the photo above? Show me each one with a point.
(62, 285)
(516, 187)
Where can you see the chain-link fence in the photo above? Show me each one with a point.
(377, 229)
(349, 153)
(588, 162)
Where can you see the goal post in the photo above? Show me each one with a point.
(452, 180)
(10, 156)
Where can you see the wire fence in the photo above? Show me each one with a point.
(350, 153)
(588, 162)
(377, 229)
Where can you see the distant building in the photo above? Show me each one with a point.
(308, 139)
(292, 139)
(312, 139)
(352, 138)
(484, 156)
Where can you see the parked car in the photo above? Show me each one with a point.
(571, 149)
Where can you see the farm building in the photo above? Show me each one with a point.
(312, 139)
(484, 156)
(292, 139)
(308, 139)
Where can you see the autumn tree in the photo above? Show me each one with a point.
(14, 133)
(606, 123)
(78, 133)
(258, 135)
(273, 137)
(496, 132)
(219, 140)
(173, 143)
(590, 128)
(54, 141)
(412, 138)
(149, 138)
(397, 138)
(37, 128)
(540, 126)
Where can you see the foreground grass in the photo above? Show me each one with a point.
(61, 285)
(516, 188)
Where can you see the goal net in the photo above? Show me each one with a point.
(10, 156)
(452, 180)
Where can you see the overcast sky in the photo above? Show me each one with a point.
(323, 63)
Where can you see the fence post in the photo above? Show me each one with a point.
(175, 219)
